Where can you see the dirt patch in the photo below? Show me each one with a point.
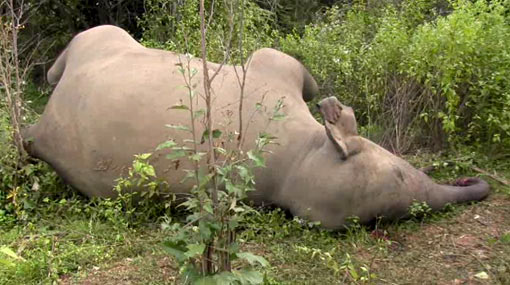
(466, 249)
(141, 270)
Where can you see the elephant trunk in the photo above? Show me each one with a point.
(463, 190)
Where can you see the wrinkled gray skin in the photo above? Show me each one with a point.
(112, 100)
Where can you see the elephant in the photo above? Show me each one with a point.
(113, 98)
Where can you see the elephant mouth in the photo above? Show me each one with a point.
(464, 182)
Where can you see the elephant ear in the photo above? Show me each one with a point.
(341, 126)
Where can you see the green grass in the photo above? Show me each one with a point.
(59, 246)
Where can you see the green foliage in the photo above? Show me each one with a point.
(464, 57)
(22, 187)
(414, 77)
(141, 196)
(292, 15)
(346, 268)
(176, 26)
(57, 246)
(419, 210)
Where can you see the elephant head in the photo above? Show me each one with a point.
(343, 174)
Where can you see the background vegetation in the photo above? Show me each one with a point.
(421, 76)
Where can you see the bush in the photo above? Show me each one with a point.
(416, 78)
(22, 187)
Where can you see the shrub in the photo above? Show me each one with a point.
(416, 74)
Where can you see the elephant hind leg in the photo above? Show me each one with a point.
(57, 69)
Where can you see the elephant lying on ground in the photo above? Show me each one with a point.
(112, 100)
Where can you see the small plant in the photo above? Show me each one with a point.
(206, 246)
(9, 257)
(346, 268)
(141, 196)
(420, 210)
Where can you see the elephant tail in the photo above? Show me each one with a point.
(462, 190)
(57, 69)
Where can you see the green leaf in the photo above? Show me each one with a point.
(198, 114)
(505, 238)
(256, 158)
(177, 127)
(7, 251)
(179, 107)
(6, 263)
(205, 231)
(278, 117)
(208, 208)
(221, 150)
(197, 156)
(167, 144)
(149, 171)
(194, 250)
(205, 135)
(245, 174)
(143, 156)
(253, 259)
(189, 174)
(353, 272)
(225, 277)
(482, 275)
(176, 249)
(247, 276)
(206, 280)
(176, 154)
(204, 179)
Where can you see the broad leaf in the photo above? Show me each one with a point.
(194, 250)
(226, 278)
(198, 114)
(253, 259)
(221, 150)
(167, 144)
(256, 158)
(197, 156)
(176, 249)
(176, 154)
(189, 174)
(149, 171)
(205, 231)
(206, 280)
(247, 276)
(7, 251)
(208, 208)
(143, 156)
(215, 134)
